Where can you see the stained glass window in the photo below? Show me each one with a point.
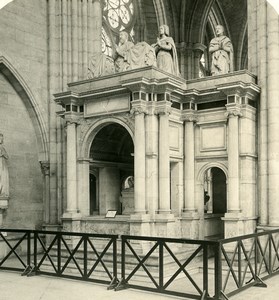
(119, 13)
(106, 43)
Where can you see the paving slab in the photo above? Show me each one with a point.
(16, 287)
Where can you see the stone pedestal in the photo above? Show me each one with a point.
(190, 225)
(234, 224)
(127, 200)
(165, 225)
(4, 202)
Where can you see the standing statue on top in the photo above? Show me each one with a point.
(166, 52)
(4, 174)
(221, 50)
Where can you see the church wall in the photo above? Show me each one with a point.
(23, 35)
(25, 208)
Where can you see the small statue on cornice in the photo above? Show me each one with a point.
(4, 173)
(221, 50)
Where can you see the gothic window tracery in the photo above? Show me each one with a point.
(117, 15)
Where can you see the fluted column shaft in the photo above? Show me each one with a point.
(138, 110)
(233, 114)
(151, 130)
(163, 110)
(71, 168)
(189, 162)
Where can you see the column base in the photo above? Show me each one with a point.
(71, 221)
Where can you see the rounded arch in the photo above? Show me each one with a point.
(21, 86)
(96, 127)
(203, 169)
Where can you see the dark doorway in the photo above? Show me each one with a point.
(94, 207)
(219, 191)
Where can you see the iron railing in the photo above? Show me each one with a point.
(197, 269)
(83, 256)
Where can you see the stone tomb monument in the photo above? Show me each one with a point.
(156, 126)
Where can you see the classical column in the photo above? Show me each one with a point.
(233, 114)
(139, 110)
(45, 171)
(151, 134)
(71, 167)
(163, 110)
(189, 119)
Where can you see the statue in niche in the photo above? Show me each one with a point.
(130, 56)
(166, 52)
(221, 50)
(4, 174)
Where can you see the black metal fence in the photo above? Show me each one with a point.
(83, 256)
(197, 269)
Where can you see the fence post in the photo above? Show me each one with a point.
(218, 271)
(115, 258)
(85, 257)
(59, 253)
(161, 265)
(35, 249)
(205, 270)
(29, 248)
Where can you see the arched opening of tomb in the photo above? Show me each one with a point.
(215, 201)
(111, 171)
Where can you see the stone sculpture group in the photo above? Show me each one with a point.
(162, 54)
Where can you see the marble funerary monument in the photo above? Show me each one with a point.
(163, 111)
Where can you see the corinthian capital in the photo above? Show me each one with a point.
(233, 112)
(189, 117)
(163, 108)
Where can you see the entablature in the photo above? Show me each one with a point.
(114, 93)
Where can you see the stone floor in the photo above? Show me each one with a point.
(15, 287)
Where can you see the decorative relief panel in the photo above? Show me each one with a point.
(213, 138)
(108, 105)
(174, 138)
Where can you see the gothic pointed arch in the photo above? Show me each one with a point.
(13, 75)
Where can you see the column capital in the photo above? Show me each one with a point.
(72, 119)
(189, 116)
(45, 167)
(233, 111)
(163, 108)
